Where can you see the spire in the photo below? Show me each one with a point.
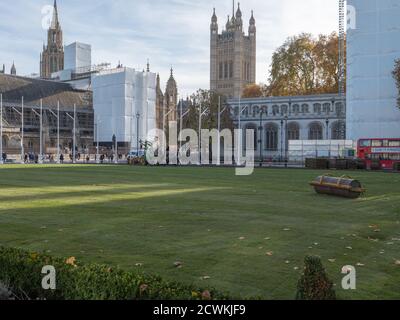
(54, 20)
(252, 20)
(172, 72)
(233, 8)
(148, 66)
(13, 70)
(238, 12)
(214, 17)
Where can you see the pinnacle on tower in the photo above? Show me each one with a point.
(54, 20)
(148, 66)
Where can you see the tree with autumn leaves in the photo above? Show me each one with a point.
(303, 65)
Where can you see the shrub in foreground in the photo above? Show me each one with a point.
(314, 283)
(75, 281)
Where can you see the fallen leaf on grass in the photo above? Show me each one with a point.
(397, 262)
(332, 260)
(71, 261)
(206, 278)
(286, 229)
(349, 248)
(360, 265)
(242, 238)
(270, 253)
(178, 264)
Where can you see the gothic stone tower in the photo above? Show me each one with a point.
(166, 104)
(52, 57)
(233, 55)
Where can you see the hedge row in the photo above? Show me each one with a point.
(22, 270)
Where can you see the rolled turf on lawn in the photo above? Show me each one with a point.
(244, 235)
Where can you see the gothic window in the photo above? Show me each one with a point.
(326, 107)
(296, 109)
(221, 70)
(293, 131)
(226, 70)
(230, 69)
(338, 130)
(315, 131)
(275, 110)
(254, 128)
(271, 137)
(339, 108)
(317, 108)
(305, 109)
(284, 109)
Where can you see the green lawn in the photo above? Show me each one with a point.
(219, 225)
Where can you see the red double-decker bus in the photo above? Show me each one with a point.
(386, 151)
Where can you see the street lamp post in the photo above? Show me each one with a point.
(286, 141)
(41, 133)
(22, 131)
(281, 139)
(137, 133)
(260, 140)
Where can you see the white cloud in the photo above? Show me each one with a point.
(172, 32)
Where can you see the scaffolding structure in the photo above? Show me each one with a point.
(342, 57)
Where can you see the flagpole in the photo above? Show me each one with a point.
(22, 131)
(239, 144)
(41, 133)
(200, 114)
(58, 131)
(74, 142)
(219, 132)
(1, 128)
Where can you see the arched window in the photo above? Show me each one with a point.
(293, 131)
(326, 108)
(296, 109)
(305, 108)
(315, 131)
(317, 108)
(338, 130)
(284, 109)
(254, 128)
(275, 110)
(339, 108)
(271, 137)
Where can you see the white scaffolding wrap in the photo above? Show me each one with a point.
(372, 47)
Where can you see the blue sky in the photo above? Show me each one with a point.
(168, 32)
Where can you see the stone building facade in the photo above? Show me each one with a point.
(277, 120)
(167, 103)
(52, 57)
(232, 55)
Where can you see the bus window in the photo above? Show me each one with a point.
(365, 143)
(377, 143)
(395, 157)
(394, 143)
(385, 143)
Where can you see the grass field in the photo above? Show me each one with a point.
(245, 235)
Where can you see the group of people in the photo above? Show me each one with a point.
(30, 158)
